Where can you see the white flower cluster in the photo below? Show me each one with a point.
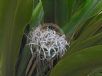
(47, 42)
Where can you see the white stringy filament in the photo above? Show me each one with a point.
(47, 42)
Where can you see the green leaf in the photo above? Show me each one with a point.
(89, 34)
(60, 11)
(49, 11)
(91, 28)
(37, 15)
(14, 15)
(96, 72)
(64, 9)
(23, 60)
(25, 54)
(90, 9)
(80, 63)
(91, 41)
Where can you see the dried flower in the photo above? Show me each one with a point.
(47, 42)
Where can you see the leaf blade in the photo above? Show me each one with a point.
(81, 63)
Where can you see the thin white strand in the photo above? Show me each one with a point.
(48, 39)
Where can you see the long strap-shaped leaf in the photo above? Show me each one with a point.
(80, 63)
(92, 41)
(24, 61)
(60, 11)
(89, 30)
(14, 15)
(37, 15)
(64, 9)
(91, 8)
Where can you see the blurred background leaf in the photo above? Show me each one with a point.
(81, 21)
(14, 15)
(80, 63)
(88, 10)
(60, 12)
(37, 15)
(84, 31)
(25, 54)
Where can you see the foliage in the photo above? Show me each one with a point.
(14, 15)
(81, 21)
